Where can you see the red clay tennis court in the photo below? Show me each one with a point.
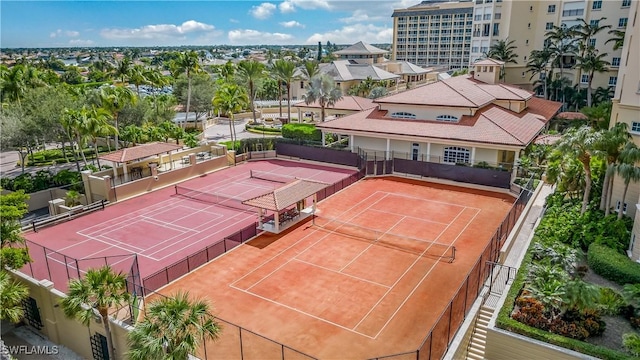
(162, 227)
(369, 278)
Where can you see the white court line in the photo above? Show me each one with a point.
(409, 217)
(370, 246)
(70, 246)
(292, 245)
(400, 278)
(429, 200)
(340, 272)
(302, 312)
(425, 275)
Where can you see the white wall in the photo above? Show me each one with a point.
(427, 113)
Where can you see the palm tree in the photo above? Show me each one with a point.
(629, 170)
(611, 145)
(250, 72)
(74, 121)
(133, 134)
(98, 125)
(591, 63)
(561, 42)
(584, 32)
(187, 62)
(503, 50)
(100, 290)
(538, 62)
(114, 99)
(137, 76)
(173, 328)
(284, 72)
(310, 69)
(123, 69)
(617, 39)
(13, 83)
(322, 89)
(581, 143)
(11, 295)
(230, 99)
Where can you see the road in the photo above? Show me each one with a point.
(218, 132)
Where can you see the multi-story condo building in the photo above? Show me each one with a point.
(434, 33)
(527, 22)
(626, 109)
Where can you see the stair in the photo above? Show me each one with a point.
(475, 351)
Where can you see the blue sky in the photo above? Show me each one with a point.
(175, 23)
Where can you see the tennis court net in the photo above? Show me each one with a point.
(268, 176)
(212, 198)
(393, 241)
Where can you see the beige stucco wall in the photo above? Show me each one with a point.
(503, 345)
(369, 143)
(635, 235)
(64, 331)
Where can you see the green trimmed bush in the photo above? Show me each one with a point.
(612, 265)
(301, 132)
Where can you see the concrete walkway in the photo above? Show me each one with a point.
(24, 343)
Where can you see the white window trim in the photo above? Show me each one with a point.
(403, 115)
(631, 127)
(447, 118)
(455, 153)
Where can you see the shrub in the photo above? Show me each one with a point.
(610, 302)
(301, 132)
(631, 342)
(612, 265)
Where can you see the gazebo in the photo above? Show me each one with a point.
(136, 153)
(288, 204)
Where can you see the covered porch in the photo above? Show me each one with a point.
(128, 164)
(289, 204)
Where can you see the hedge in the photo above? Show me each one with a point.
(301, 132)
(612, 265)
(504, 321)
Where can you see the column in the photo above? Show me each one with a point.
(276, 221)
(387, 155)
(299, 115)
(125, 172)
(323, 143)
(260, 217)
(115, 171)
(514, 170)
(473, 155)
(351, 137)
(429, 151)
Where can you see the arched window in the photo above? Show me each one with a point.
(456, 155)
(403, 115)
(447, 118)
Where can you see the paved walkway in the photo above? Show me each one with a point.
(24, 343)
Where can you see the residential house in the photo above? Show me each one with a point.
(467, 120)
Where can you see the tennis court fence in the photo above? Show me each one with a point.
(439, 337)
(193, 261)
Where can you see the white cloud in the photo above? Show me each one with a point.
(352, 33)
(235, 21)
(361, 16)
(262, 11)
(67, 33)
(286, 7)
(80, 42)
(292, 23)
(159, 31)
(254, 37)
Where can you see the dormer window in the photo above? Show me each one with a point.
(403, 115)
(447, 118)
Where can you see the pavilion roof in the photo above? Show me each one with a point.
(139, 152)
(287, 195)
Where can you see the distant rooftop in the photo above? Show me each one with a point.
(361, 48)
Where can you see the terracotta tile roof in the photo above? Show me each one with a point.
(489, 62)
(570, 115)
(505, 92)
(360, 48)
(352, 103)
(139, 152)
(286, 195)
(457, 91)
(491, 124)
(346, 70)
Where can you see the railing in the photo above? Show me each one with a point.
(438, 339)
(72, 214)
